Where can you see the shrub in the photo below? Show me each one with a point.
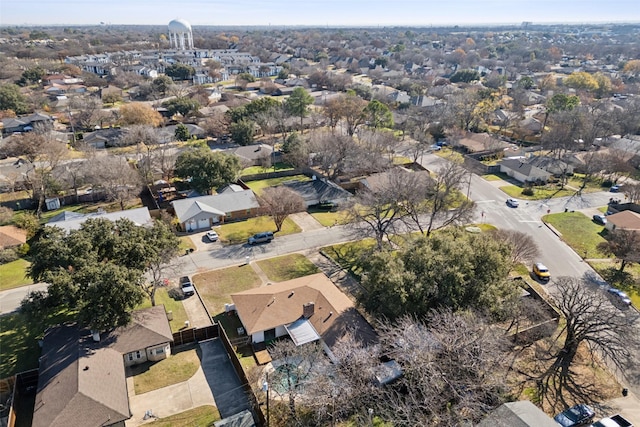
(8, 255)
(22, 250)
(527, 191)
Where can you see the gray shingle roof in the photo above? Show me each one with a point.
(218, 204)
(80, 383)
(524, 168)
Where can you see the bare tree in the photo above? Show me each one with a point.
(447, 204)
(591, 320)
(280, 202)
(523, 248)
(453, 369)
(117, 177)
(299, 364)
(378, 210)
(624, 245)
(632, 191)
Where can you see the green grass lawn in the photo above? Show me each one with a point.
(258, 186)
(539, 193)
(239, 232)
(492, 177)
(287, 267)
(175, 369)
(216, 286)
(579, 232)
(329, 218)
(401, 160)
(348, 254)
(14, 274)
(170, 304)
(629, 281)
(202, 416)
(19, 350)
(254, 170)
(185, 244)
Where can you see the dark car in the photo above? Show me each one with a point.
(186, 286)
(264, 237)
(619, 297)
(599, 219)
(575, 416)
(614, 189)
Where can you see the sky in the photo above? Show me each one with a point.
(331, 13)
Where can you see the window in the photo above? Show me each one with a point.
(160, 350)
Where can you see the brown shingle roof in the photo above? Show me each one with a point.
(627, 220)
(279, 304)
(11, 236)
(148, 327)
(81, 384)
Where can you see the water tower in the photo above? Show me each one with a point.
(180, 36)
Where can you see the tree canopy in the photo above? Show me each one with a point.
(450, 269)
(98, 269)
(180, 71)
(12, 99)
(298, 103)
(138, 113)
(206, 169)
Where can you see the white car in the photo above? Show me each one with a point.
(512, 203)
(212, 236)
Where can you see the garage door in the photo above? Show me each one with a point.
(203, 223)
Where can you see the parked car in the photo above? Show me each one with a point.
(435, 147)
(614, 188)
(613, 421)
(186, 286)
(575, 416)
(541, 271)
(212, 236)
(619, 297)
(599, 219)
(264, 237)
(512, 203)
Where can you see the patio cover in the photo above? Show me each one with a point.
(302, 331)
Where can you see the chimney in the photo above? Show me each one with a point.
(308, 310)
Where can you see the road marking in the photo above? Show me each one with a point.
(484, 201)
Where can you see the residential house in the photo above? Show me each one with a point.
(316, 191)
(111, 90)
(73, 221)
(13, 172)
(552, 165)
(523, 172)
(200, 213)
(195, 131)
(625, 220)
(82, 380)
(26, 123)
(307, 309)
(481, 143)
(12, 236)
(518, 414)
(253, 155)
(102, 138)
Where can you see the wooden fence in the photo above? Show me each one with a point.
(188, 336)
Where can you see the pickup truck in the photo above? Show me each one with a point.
(613, 421)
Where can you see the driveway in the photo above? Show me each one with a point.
(215, 383)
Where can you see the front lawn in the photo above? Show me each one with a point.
(495, 177)
(258, 186)
(328, 218)
(14, 274)
(186, 244)
(170, 304)
(202, 416)
(539, 193)
(579, 232)
(216, 286)
(287, 267)
(239, 232)
(348, 255)
(175, 369)
(628, 281)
